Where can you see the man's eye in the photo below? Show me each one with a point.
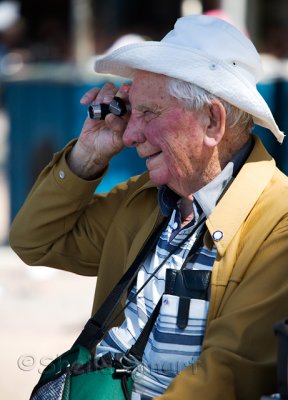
(148, 114)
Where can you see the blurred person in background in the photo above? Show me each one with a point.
(13, 53)
(194, 103)
(9, 18)
(275, 38)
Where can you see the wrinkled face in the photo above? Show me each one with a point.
(166, 134)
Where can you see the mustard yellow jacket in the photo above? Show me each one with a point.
(63, 224)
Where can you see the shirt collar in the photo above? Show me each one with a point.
(207, 196)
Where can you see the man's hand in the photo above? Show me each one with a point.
(99, 140)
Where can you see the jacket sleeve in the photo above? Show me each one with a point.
(62, 223)
(239, 354)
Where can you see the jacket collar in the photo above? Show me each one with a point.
(143, 184)
(236, 204)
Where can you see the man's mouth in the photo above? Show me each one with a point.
(153, 156)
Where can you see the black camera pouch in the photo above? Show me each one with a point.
(187, 284)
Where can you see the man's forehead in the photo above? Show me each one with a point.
(149, 89)
(148, 81)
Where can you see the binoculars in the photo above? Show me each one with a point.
(116, 107)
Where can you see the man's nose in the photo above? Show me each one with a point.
(133, 134)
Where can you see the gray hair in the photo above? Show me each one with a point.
(196, 98)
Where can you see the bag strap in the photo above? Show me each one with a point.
(137, 350)
(96, 326)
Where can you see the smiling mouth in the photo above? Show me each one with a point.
(153, 156)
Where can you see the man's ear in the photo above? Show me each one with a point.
(216, 127)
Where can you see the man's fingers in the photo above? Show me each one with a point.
(106, 94)
(123, 92)
(116, 124)
(99, 95)
(89, 96)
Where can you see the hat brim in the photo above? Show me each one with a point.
(192, 66)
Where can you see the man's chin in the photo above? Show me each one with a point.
(157, 179)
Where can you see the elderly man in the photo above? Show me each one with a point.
(194, 103)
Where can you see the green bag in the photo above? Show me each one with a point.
(76, 375)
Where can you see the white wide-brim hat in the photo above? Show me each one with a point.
(206, 51)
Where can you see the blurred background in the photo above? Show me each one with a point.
(47, 52)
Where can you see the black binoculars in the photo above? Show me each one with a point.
(116, 107)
